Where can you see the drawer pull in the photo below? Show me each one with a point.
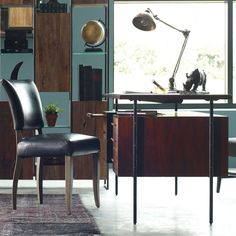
(91, 115)
(113, 140)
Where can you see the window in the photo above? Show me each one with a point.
(141, 56)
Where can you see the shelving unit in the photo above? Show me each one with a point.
(58, 50)
(81, 14)
(7, 64)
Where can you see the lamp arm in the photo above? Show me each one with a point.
(157, 18)
(186, 35)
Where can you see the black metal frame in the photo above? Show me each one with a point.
(176, 99)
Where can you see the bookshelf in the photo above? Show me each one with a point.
(58, 52)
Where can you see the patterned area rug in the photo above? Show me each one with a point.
(50, 218)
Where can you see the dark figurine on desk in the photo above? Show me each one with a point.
(195, 79)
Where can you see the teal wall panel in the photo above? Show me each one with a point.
(63, 101)
(231, 114)
(9, 60)
(232, 129)
(7, 64)
(80, 16)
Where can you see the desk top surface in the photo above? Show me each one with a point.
(167, 98)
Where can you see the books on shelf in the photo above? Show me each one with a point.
(90, 83)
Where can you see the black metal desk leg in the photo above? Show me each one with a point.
(116, 184)
(135, 162)
(211, 161)
(176, 185)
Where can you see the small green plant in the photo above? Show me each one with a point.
(52, 108)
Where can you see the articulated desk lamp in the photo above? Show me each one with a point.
(144, 21)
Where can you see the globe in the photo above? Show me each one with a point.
(93, 33)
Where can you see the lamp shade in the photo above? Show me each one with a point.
(93, 33)
(144, 21)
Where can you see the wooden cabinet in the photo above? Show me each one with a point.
(8, 147)
(81, 123)
(170, 145)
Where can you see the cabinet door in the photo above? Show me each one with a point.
(8, 147)
(81, 123)
(52, 52)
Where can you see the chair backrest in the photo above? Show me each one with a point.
(25, 104)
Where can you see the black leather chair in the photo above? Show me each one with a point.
(26, 109)
(231, 152)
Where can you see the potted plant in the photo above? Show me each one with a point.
(51, 113)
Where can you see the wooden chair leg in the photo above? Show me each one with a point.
(39, 179)
(218, 184)
(69, 182)
(96, 179)
(16, 176)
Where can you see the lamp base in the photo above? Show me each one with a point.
(183, 92)
(193, 92)
(173, 91)
(172, 84)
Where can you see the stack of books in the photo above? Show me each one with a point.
(90, 83)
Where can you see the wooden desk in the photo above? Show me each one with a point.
(175, 98)
(170, 144)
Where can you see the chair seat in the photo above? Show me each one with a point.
(58, 144)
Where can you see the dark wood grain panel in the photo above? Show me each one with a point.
(170, 146)
(30, 2)
(54, 172)
(81, 123)
(16, 2)
(52, 52)
(8, 147)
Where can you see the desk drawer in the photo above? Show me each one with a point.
(122, 146)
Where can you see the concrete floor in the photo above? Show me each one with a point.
(160, 212)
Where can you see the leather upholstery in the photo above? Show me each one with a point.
(25, 104)
(27, 113)
(232, 146)
(58, 145)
